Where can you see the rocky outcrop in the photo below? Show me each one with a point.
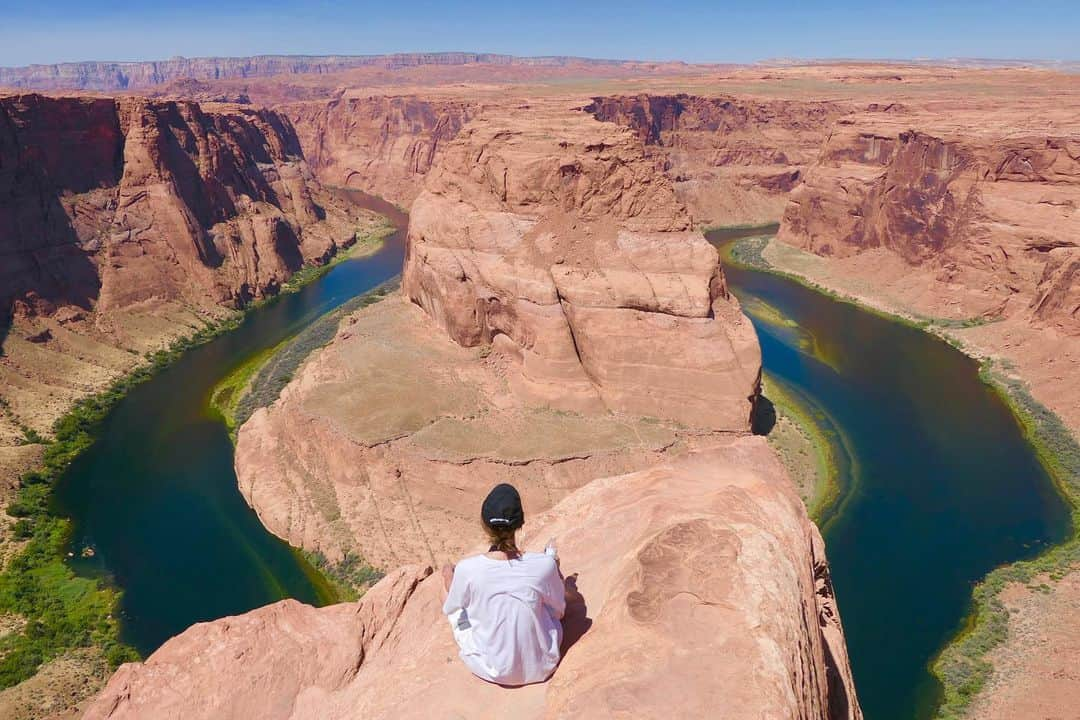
(105, 203)
(990, 209)
(698, 589)
(552, 238)
(135, 75)
(125, 223)
(734, 160)
(561, 327)
(377, 143)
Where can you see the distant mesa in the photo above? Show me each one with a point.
(97, 75)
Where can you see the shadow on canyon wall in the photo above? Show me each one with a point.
(763, 419)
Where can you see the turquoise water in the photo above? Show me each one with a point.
(156, 496)
(939, 485)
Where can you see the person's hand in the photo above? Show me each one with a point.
(447, 576)
(551, 549)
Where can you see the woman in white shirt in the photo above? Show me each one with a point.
(506, 606)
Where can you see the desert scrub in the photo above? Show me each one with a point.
(227, 394)
(811, 449)
(62, 610)
(258, 382)
(350, 577)
(963, 667)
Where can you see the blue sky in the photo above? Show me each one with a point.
(41, 31)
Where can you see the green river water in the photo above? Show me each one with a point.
(938, 484)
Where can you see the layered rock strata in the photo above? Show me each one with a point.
(552, 238)
(734, 159)
(385, 439)
(698, 589)
(383, 144)
(971, 224)
(112, 76)
(990, 209)
(124, 222)
(561, 327)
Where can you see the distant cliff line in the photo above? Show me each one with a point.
(101, 75)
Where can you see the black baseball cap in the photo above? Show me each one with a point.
(502, 508)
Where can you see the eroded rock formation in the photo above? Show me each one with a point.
(551, 237)
(379, 144)
(699, 590)
(566, 326)
(110, 202)
(734, 160)
(988, 210)
(123, 222)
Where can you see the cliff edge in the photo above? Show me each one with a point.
(698, 588)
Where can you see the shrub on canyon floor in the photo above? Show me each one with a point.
(351, 575)
(963, 667)
(259, 382)
(64, 611)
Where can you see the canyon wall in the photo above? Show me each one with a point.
(110, 202)
(988, 210)
(554, 239)
(126, 222)
(111, 76)
(380, 144)
(697, 588)
(734, 159)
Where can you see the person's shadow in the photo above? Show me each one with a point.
(576, 621)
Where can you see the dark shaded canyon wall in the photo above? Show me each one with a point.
(109, 202)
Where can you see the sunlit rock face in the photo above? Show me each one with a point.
(551, 237)
(699, 589)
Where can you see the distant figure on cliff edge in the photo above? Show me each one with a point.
(506, 606)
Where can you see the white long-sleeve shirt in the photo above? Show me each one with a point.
(506, 616)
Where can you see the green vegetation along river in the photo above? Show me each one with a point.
(937, 484)
(155, 497)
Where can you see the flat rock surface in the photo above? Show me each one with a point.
(384, 440)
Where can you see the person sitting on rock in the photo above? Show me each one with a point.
(506, 606)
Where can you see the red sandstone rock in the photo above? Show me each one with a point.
(382, 145)
(704, 592)
(989, 208)
(553, 238)
(734, 160)
(105, 203)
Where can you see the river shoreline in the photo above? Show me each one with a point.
(807, 449)
(961, 666)
(86, 630)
